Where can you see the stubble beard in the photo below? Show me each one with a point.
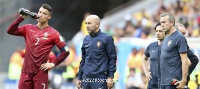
(161, 39)
(91, 32)
(167, 31)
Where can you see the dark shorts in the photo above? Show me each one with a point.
(34, 81)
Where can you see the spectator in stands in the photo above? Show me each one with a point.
(131, 59)
(108, 30)
(15, 65)
(70, 63)
(138, 59)
(129, 31)
(134, 80)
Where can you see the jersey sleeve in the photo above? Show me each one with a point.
(15, 29)
(21, 30)
(52, 57)
(182, 45)
(112, 56)
(59, 41)
(146, 53)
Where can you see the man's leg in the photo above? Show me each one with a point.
(25, 81)
(41, 80)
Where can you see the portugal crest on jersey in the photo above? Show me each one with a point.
(169, 42)
(98, 44)
(45, 36)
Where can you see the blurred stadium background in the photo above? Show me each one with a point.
(130, 22)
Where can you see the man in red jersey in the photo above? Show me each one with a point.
(39, 40)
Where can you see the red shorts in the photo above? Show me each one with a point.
(34, 81)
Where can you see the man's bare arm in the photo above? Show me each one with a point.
(145, 67)
(185, 65)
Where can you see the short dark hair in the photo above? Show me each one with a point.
(48, 7)
(158, 24)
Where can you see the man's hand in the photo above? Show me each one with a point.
(24, 16)
(180, 84)
(78, 84)
(110, 83)
(148, 75)
(46, 66)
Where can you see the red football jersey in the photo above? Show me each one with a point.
(39, 43)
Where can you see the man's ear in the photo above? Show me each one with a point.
(49, 17)
(173, 22)
(97, 25)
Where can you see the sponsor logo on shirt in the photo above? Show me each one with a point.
(153, 51)
(169, 42)
(45, 36)
(98, 43)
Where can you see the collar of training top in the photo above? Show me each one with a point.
(96, 34)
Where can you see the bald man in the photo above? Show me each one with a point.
(192, 57)
(99, 56)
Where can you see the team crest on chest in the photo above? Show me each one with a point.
(98, 43)
(169, 42)
(45, 36)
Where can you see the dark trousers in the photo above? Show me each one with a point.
(94, 83)
(168, 87)
(153, 85)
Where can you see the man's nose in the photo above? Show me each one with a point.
(40, 15)
(162, 25)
